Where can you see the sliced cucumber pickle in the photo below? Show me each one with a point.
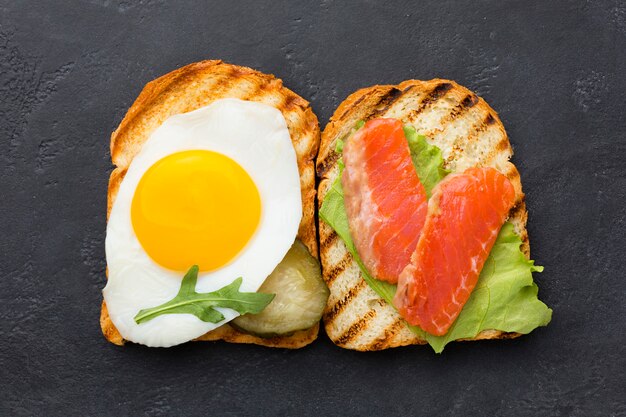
(301, 295)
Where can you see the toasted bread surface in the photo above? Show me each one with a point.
(197, 85)
(469, 133)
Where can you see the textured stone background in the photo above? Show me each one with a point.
(555, 71)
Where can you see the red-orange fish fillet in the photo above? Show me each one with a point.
(465, 214)
(385, 201)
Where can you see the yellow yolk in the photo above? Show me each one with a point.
(195, 208)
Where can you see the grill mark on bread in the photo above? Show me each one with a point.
(338, 307)
(223, 85)
(519, 205)
(384, 103)
(467, 103)
(288, 103)
(355, 105)
(383, 341)
(388, 108)
(332, 273)
(327, 163)
(227, 84)
(480, 127)
(266, 85)
(432, 97)
(330, 239)
(355, 329)
(439, 91)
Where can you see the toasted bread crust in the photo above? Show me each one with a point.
(197, 85)
(469, 132)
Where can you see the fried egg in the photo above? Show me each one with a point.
(217, 187)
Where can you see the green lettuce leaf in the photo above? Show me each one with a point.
(427, 159)
(505, 297)
(201, 305)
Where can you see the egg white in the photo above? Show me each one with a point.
(254, 135)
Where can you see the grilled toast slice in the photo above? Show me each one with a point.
(469, 133)
(197, 85)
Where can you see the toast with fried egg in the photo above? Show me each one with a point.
(468, 132)
(195, 86)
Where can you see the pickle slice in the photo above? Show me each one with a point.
(301, 295)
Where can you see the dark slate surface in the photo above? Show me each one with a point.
(553, 70)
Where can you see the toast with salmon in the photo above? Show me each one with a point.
(197, 85)
(469, 134)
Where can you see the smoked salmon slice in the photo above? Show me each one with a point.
(465, 214)
(385, 201)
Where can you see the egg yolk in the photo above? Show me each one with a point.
(195, 208)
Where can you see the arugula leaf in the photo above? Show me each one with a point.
(427, 159)
(505, 296)
(201, 305)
